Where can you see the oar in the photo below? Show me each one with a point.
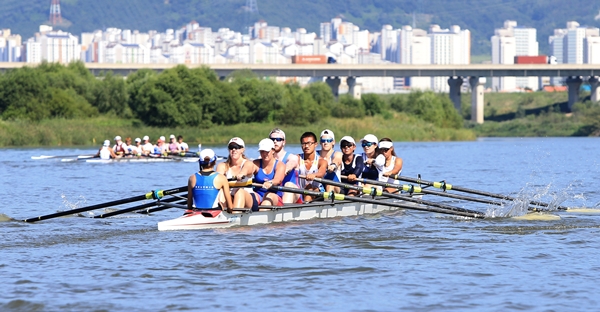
(416, 189)
(136, 208)
(336, 196)
(447, 186)
(62, 156)
(377, 192)
(150, 195)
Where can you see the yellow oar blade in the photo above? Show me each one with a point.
(537, 216)
(584, 210)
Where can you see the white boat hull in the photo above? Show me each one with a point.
(141, 159)
(321, 210)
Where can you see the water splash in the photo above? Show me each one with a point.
(80, 201)
(521, 205)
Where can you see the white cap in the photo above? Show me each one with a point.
(277, 131)
(348, 139)
(386, 144)
(266, 145)
(146, 138)
(138, 140)
(106, 143)
(369, 138)
(207, 153)
(237, 141)
(162, 138)
(117, 138)
(327, 132)
(172, 136)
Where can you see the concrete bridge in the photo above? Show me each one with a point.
(475, 73)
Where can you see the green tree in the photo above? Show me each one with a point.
(429, 106)
(299, 107)
(373, 104)
(348, 107)
(322, 94)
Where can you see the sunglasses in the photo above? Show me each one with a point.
(307, 143)
(384, 150)
(347, 146)
(231, 148)
(326, 140)
(277, 139)
(368, 144)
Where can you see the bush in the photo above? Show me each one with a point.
(348, 107)
(431, 107)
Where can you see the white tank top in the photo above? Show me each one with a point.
(303, 171)
(329, 159)
(230, 174)
(104, 153)
(388, 168)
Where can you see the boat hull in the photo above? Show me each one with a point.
(321, 210)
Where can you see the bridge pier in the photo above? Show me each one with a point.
(594, 83)
(573, 83)
(455, 83)
(334, 84)
(354, 89)
(477, 85)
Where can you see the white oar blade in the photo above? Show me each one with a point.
(68, 159)
(41, 157)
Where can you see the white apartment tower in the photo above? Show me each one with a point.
(448, 46)
(507, 43)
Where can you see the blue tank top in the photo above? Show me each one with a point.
(369, 172)
(261, 177)
(291, 176)
(204, 193)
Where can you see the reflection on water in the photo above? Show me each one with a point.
(406, 260)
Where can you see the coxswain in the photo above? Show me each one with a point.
(290, 160)
(106, 152)
(206, 186)
(267, 170)
(392, 164)
(333, 158)
(352, 165)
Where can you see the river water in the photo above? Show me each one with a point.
(402, 260)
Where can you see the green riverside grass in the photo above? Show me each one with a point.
(92, 132)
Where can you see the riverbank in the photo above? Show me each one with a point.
(91, 132)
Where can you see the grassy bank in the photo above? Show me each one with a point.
(88, 132)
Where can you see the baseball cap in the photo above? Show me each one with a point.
(162, 138)
(172, 136)
(106, 142)
(386, 144)
(237, 141)
(277, 131)
(146, 138)
(118, 138)
(369, 138)
(138, 140)
(207, 153)
(266, 145)
(348, 139)
(327, 132)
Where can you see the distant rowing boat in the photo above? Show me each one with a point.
(142, 159)
(211, 219)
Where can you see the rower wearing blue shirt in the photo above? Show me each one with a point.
(208, 189)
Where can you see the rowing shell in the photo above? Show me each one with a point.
(142, 159)
(212, 219)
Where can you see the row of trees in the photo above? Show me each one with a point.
(194, 97)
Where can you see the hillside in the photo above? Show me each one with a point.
(480, 16)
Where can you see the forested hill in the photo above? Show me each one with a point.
(480, 16)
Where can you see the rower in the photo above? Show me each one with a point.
(266, 170)
(174, 148)
(207, 186)
(234, 168)
(147, 147)
(106, 152)
(182, 145)
(333, 158)
(392, 164)
(120, 148)
(136, 149)
(310, 166)
(352, 165)
(369, 155)
(290, 160)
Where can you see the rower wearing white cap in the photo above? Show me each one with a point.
(119, 148)
(369, 145)
(106, 152)
(136, 149)
(235, 168)
(267, 170)
(147, 147)
(392, 164)
(333, 158)
(206, 186)
(173, 147)
(290, 160)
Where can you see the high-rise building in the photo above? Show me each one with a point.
(507, 43)
(448, 46)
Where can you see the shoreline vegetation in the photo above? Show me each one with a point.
(57, 105)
